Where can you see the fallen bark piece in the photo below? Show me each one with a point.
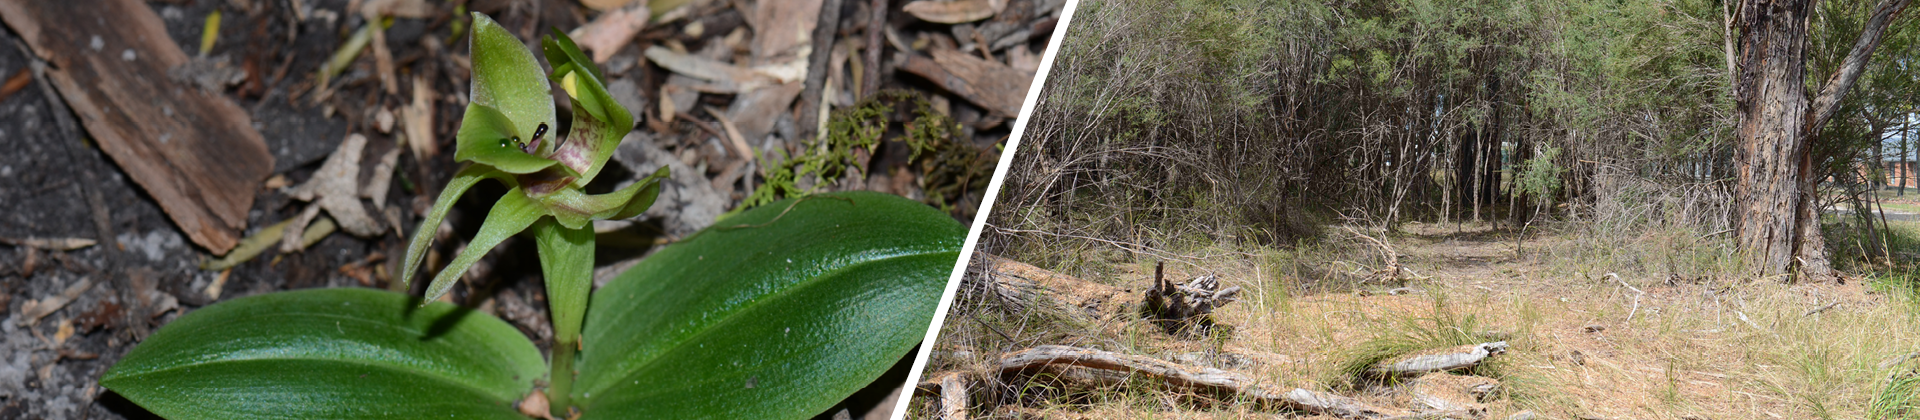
(1456, 358)
(612, 30)
(1190, 378)
(991, 85)
(951, 12)
(195, 152)
(33, 310)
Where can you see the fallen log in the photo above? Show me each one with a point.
(1019, 286)
(1457, 358)
(1189, 378)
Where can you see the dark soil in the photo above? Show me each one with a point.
(45, 182)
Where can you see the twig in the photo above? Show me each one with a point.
(810, 93)
(69, 136)
(1616, 278)
(1821, 309)
(876, 23)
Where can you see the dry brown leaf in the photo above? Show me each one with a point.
(381, 180)
(754, 112)
(335, 188)
(612, 30)
(724, 78)
(605, 5)
(951, 12)
(780, 27)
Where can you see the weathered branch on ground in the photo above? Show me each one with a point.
(1021, 285)
(1456, 358)
(1189, 378)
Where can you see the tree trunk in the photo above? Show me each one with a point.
(1772, 105)
(1779, 228)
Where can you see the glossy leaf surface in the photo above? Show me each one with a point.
(333, 354)
(778, 312)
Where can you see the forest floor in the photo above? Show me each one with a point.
(1585, 344)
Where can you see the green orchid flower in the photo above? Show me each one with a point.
(509, 135)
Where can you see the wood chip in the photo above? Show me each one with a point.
(50, 244)
(33, 310)
(194, 152)
(15, 83)
(723, 77)
(951, 12)
(991, 85)
(418, 120)
(612, 30)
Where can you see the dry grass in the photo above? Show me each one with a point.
(1695, 342)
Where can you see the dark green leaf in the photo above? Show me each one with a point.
(779, 313)
(332, 354)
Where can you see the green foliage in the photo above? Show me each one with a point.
(781, 312)
(949, 165)
(330, 353)
(796, 307)
(1540, 176)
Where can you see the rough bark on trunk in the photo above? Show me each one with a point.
(1779, 227)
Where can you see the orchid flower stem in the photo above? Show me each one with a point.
(559, 391)
(566, 258)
